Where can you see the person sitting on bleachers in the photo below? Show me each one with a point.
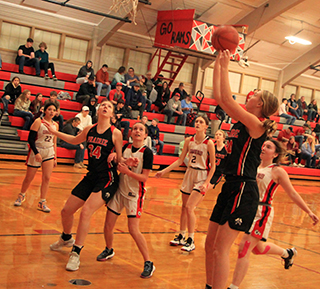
(163, 96)
(157, 81)
(173, 108)
(86, 91)
(116, 94)
(135, 100)
(143, 89)
(93, 110)
(119, 77)
(308, 152)
(58, 117)
(285, 135)
(293, 106)
(313, 111)
(187, 108)
(21, 108)
(301, 134)
(293, 152)
(85, 72)
(120, 112)
(154, 133)
(85, 118)
(303, 107)
(11, 93)
(181, 91)
(0, 62)
(283, 112)
(130, 77)
(26, 57)
(102, 80)
(149, 83)
(71, 128)
(36, 104)
(43, 55)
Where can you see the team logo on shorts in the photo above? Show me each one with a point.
(107, 195)
(256, 232)
(238, 221)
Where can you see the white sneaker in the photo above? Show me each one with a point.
(21, 198)
(57, 246)
(178, 240)
(74, 262)
(300, 165)
(189, 246)
(294, 164)
(5, 113)
(42, 206)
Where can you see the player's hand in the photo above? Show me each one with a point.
(38, 158)
(314, 218)
(112, 157)
(123, 168)
(81, 146)
(132, 162)
(158, 175)
(55, 163)
(49, 127)
(224, 58)
(204, 187)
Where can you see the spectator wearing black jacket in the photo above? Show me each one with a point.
(87, 91)
(120, 112)
(181, 91)
(154, 133)
(135, 100)
(11, 93)
(163, 96)
(85, 72)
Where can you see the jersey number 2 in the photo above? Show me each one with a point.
(96, 152)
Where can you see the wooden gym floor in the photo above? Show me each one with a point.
(26, 233)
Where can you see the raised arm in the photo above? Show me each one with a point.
(284, 181)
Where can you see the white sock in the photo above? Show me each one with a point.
(191, 235)
(233, 286)
(42, 200)
(285, 253)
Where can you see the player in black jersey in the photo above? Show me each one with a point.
(238, 201)
(221, 157)
(97, 187)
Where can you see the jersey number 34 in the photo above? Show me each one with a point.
(94, 151)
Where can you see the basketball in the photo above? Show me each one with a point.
(225, 37)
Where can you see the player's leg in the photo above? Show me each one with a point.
(47, 167)
(210, 240)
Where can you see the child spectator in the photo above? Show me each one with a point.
(36, 104)
(21, 108)
(26, 57)
(155, 136)
(43, 56)
(283, 112)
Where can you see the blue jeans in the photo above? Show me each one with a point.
(148, 102)
(181, 117)
(23, 61)
(59, 119)
(5, 104)
(27, 116)
(310, 161)
(294, 112)
(101, 85)
(160, 143)
(299, 139)
(79, 157)
(290, 119)
(125, 124)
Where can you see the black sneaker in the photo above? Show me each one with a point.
(148, 269)
(288, 262)
(105, 255)
(21, 72)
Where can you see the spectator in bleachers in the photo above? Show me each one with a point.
(187, 108)
(102, 80)
(316, 130)
(303, 107)
(85, 72)
(154, 133)
(86, 91)
(116, 94)
(301, 133)
(58, 117)
(85, 118)
(285, 135)
(158, 81)
(26, 57)
(181, 145)
(283, 112)
(120, 112)
(134, 99)
(119, 77)
(293, 151)
(130, 77)
(36, 104)
(163, 96)
(43, 56)
(293, 106)
(308, 152)
(11, 93)
(71, 128)
(148, 83)
(181, 91)
(313, 111)
(92, 109)
(173, 108)
(21, 108)
(143, 89)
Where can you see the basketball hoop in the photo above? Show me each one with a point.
(129, 6)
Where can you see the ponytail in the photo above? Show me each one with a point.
(270, 127)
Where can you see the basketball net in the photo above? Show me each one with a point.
(129, 6)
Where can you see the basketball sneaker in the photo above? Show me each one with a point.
(178, 240)
(148, 269)
(57, 246)
(42, 206)
(105, 254)
(189, 246)
(288, 262)
(20, 200)
(74, 262)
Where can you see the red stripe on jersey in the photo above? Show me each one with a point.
(113, 128)
(260, 227)
(142, 149)
(140, 199)
(192, 138)
(206, 140)
(241, 162)
(236, 199)
(268, 196)
(129, 146)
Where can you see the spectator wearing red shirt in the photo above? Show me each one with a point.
(285, 135)
(116, 94)
(300, 134)
(102, 80)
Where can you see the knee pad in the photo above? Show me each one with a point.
(244, 250)
(257, 252)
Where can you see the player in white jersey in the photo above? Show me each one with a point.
(42, 152)
(130, 195)
(270, 176)
(196, 179)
